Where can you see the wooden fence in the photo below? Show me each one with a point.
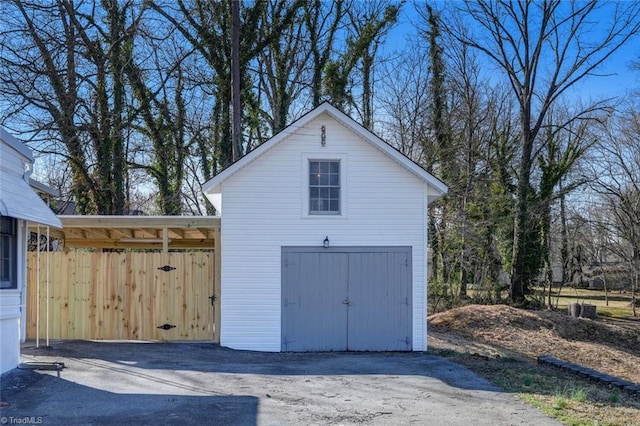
(122, 296)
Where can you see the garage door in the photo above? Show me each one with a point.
(346, 298)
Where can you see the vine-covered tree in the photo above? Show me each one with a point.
(63, 77)
(544, 48)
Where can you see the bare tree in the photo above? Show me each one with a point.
(544, 48)
(283, 68)
(404, 102)
(565, 146)
(440, 112)
(206, 27)
(617, 166)
(368, 24)
(322, 21)
(63, 70)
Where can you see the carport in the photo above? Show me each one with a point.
(165, 289)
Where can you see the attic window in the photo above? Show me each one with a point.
(324, 187)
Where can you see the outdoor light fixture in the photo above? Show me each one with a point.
(323, 136)
(325, 243)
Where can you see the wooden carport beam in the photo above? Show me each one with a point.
(146, 233)
(140, 231)
(175, 233)
(144, 244)
(98, 234)
(204, 232)
(140, 222)
(122, 233)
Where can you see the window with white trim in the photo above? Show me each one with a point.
(324, 187)
(8, 253)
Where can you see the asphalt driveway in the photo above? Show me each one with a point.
(107, 383)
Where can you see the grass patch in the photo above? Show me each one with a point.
(614, 397)
(565, 396)
(613, 312)
(447, 353)
(559, 402)
(619, 305)
(579, 395)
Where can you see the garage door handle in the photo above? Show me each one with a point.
(346, 302)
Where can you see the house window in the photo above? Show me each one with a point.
(324, 187)
(8, 253)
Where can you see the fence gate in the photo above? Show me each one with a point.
(123, 296)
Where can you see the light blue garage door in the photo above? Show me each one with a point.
(346, 298)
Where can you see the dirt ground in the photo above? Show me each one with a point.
(608, 345)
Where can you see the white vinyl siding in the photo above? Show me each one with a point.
(386, 207)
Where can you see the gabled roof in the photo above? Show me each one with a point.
(212, 186)
(14, 143)
(17, 198)
(42, 188)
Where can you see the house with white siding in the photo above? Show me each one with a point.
(324, 241)
(19, 206)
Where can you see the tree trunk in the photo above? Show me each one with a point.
(634, 288)
(367, 89)
(236, 135)
(519, 279)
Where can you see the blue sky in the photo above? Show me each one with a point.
(618, 77)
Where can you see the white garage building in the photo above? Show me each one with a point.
(324, 241)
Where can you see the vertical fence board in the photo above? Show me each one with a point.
(96, 295)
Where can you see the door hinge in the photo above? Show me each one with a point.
(347, 302)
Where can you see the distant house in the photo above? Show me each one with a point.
(19, 206)
(324, 241)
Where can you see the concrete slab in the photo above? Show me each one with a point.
(106, 383)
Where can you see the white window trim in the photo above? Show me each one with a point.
(324, 156)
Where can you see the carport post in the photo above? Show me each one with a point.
(48, 283)
(217, 285)
(165, 240)
(38, 288)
